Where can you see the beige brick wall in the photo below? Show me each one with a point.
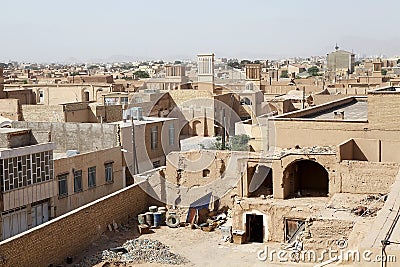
(48, 113)
(363, 177)
(68, 235)
(384, 111)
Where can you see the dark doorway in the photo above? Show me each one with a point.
(254, 228)
(305, 178)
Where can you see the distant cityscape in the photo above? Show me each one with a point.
(297, 154)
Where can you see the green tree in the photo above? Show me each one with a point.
(236, 143)
(383, 72)
(313, 71)
(140, 74)
(398, 61)
(239, 142)
(234, 64)
(284, 74)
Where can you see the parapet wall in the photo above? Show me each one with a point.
(83, 137)
(69, 234)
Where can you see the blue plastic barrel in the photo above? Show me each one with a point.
(157, 219)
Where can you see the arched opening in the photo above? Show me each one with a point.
(86, 96)
(305, 178)
(259, 181)
(197, 128)
(185, 131)
(40, 99)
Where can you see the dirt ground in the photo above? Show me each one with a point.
(198, 247)
(208, 249)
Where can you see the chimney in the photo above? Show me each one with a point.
(338, 115)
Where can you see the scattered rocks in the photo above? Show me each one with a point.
(137, 251)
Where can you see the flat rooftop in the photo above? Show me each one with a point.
(357, 110)
(345, 109)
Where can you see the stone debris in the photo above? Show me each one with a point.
(138, 251)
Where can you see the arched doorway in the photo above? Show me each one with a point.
(305, 178)
(197, 128)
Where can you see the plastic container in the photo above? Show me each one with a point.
(162, 209)
(163, 216)
(149, 218)
(142, 218)
(157, 219)
(153, 208)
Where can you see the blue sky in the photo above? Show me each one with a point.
(49, 30)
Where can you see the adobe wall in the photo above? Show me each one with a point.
(363, 177)
(43, 113)
(323, 232)
(83, 137)
(112, 113)
(318, 133)
(25, 96)
(69, 234)
(10, 108)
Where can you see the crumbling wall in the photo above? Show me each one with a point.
(360, 177)
(186, 168)
(325, 234)
(206, 169)
(69, 234)
(276, 214)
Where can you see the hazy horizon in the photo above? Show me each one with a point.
(50, 31)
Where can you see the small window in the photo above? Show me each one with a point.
(156, 164)
(91, 177)
(62, 185)
(206, 173)
(86, 96)
(154, 137)
(41, 96)
(109, 172)
(171, 134)
(124, 100)
(78, 181)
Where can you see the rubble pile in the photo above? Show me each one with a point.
(137, 251)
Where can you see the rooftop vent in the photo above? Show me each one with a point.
(338, 115)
